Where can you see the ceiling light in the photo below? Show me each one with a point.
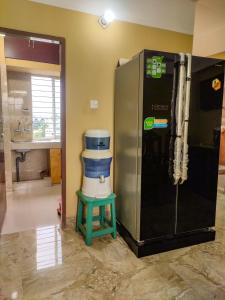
(35, 39)
(2, 34)
(107, 18)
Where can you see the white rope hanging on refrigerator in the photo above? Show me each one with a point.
(182, 119)
(179, 119)
(184, 165)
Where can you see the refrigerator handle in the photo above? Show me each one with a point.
(179, 118)
(184, 165)
(173, 119)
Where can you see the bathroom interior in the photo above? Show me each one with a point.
(32, 110)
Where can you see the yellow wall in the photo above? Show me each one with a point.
(219, 55)
(91, 57)
(32, 67)
(2, 52)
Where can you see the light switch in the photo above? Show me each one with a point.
(94, 104)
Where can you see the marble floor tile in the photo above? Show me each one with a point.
(48, 263)
(158, 282)
(31, 204)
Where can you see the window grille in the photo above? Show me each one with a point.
(45, 107)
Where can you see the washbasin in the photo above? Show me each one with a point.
(22, 150)
(33, 145)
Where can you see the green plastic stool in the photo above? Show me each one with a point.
(85, 226)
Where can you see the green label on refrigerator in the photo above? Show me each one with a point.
(155, 66)
(149, 123)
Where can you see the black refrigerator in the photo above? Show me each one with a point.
(166, 146)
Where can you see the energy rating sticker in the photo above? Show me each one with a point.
(160, 123)
(152, 122)
(149, 123)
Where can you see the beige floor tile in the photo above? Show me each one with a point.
(32, 204)
(47, 263)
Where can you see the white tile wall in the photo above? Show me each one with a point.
(20, 116)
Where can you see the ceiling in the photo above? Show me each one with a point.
(176, 15)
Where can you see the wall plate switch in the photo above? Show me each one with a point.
(94, 104)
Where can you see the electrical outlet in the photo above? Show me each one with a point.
(94, 104)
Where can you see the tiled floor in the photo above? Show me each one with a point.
(50, 264)
(32, 204)
(221, 181)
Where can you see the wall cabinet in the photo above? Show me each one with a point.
(27, 49)
(55, 165)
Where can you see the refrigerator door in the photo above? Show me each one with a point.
(158, 193)
(196, 203)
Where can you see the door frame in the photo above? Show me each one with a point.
(62, 42)
(2, 156)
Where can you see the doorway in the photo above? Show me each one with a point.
(34, 126)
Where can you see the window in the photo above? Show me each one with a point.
(45, 107)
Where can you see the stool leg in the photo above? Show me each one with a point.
(79, 214)
(113, 218)
(88, 238)
(102, 215)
